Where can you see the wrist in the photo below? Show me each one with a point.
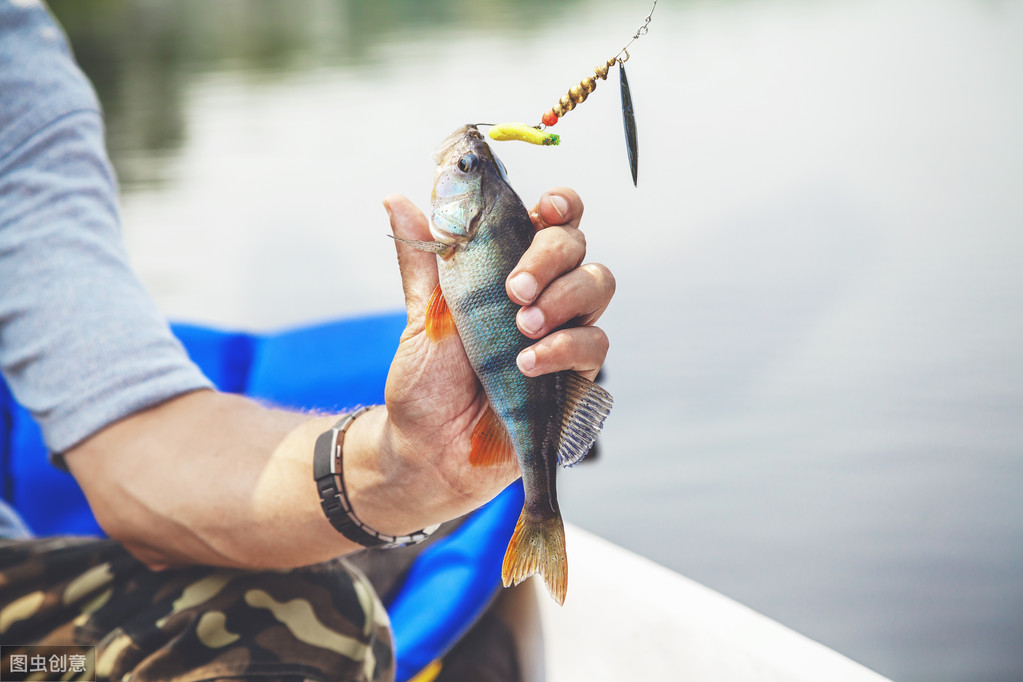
(374, 484)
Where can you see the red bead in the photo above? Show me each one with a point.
(550, 118)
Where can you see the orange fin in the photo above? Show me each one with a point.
(491, 444)
(439, 323)
(538, 546)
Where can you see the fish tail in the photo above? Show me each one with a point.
(538, 546)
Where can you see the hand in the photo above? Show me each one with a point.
(556, 291)
(212, 478)
(433, 397)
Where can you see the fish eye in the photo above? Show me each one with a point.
(468, 162)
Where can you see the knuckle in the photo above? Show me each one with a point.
(570, 245)
(559, 345)
(580, 244)
(574, 248)
(560, 246)
(543, 240)
(602, 277)
(603, 343)
(580, 240)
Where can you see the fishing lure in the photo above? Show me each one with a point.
(523, 132)
(576, 95)
(629, 119)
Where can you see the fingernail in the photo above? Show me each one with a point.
(387, 207)
(531, 320)
(523, 285)
(559, 204)
(526, 360)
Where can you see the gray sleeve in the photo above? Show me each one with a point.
(82, 344)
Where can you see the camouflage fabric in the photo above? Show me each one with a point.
(324, 622)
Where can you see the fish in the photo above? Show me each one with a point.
(480, 229)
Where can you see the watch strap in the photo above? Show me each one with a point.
(330, 484)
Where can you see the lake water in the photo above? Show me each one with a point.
(817, 341)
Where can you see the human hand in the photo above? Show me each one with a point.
(211, 478)
(556, 290)
(433, 396)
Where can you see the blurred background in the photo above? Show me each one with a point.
(817, 341)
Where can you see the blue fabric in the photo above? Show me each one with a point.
(48, 499)
(6, 405)
(224, 357)
(12, 526)
(327, 367)
(449, 585)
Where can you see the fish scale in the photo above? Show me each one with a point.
(491, 345)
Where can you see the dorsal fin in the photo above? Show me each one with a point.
(586, 407)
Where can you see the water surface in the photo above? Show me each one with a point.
(817, 341)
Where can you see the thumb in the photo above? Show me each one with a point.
(418, 268)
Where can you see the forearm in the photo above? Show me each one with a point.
(217, 479)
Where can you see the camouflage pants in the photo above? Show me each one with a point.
(323, 622)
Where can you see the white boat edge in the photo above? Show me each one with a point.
(628, 618)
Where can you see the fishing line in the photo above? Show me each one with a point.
(640, 32)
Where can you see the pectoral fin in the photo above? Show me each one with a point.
(586, 407)
(491, 444)
(439, 323)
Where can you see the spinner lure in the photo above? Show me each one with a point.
(577, 94)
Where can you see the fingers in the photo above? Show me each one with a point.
(418, 268)
(559, 206)
(557, 247)
(582, 349)
(549, 280)
(556, 291)
(578, 297)
(554, 251)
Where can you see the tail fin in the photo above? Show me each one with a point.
(538, 546)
